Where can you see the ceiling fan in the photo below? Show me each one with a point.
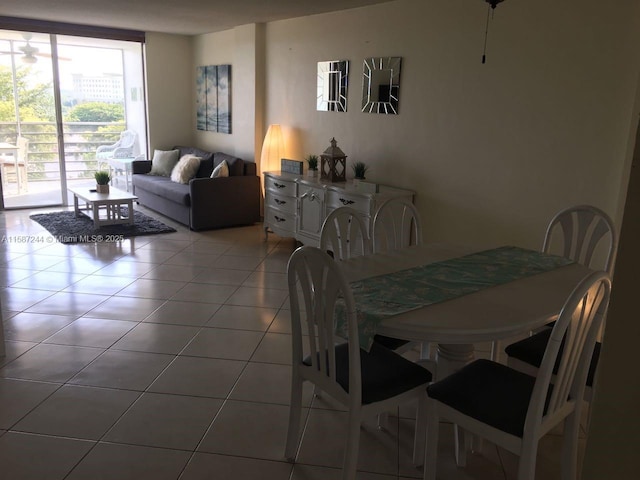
(30, 53)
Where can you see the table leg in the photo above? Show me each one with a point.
(76, 207)
(130, 208)
(96, 214)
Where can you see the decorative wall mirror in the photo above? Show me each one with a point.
(332, 85)
(381, 85)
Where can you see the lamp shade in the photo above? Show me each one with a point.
(272, 149)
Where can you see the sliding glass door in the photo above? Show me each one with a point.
(73, 99)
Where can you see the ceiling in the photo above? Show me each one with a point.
(187, 17)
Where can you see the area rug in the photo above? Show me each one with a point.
(65, 227)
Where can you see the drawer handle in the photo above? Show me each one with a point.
(279, 202)
(279, 219)
(312, 196)
(279, 185)
(345, 201)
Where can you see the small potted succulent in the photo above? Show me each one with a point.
(312, 162)
(359, 170)
(102, 181)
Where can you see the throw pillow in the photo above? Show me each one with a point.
(163, 162)
(185, 169)
(221, 170)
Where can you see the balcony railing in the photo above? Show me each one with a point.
(81, 139)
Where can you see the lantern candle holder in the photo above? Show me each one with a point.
(333, 163)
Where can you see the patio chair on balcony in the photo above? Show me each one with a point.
(123, 148)
(14, 167)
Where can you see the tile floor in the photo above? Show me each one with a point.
(167, 357)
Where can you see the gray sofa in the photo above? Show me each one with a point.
(205, 203)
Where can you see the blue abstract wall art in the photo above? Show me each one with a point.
(213, 90)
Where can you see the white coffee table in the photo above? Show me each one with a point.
(103, 208)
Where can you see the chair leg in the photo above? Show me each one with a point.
(570, 446)
(383, 421)
(420, 435)
(477, 444)
(295, 414)
(425, 350)
(528, 454)
(431, 445)
(317, 392)
(350, 465)
(495, 350)
(460, 447)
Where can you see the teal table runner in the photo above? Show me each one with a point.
(391, 294)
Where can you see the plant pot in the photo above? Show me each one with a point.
(102, 188)
(312, 173)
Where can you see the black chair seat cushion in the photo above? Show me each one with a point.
(489, 392)
(531, 350)
(390, 342)
(385, 374)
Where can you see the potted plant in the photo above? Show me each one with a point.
(359, 170)
(312, 161)
(102, 181)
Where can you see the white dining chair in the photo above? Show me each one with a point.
(367, 383)
(344, 233)
(514, 410)
(396, 224)
(19, 166)
(578, 233)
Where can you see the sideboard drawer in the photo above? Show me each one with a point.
(342, 199)
(281, 202)
(281, 220)
(282, 187)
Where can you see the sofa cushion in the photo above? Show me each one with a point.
(206, 167)
(221, 170)
(185, 169)
(164, 187)
(163, 162)
(206, 164)
(235, 164)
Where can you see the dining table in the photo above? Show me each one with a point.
(458, 296)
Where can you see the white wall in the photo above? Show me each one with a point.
(170, 80)
(493, 150)
(241, 48)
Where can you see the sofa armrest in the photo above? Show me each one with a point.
(141, 166)
(225, 201)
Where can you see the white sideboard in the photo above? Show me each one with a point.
(296, 205)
